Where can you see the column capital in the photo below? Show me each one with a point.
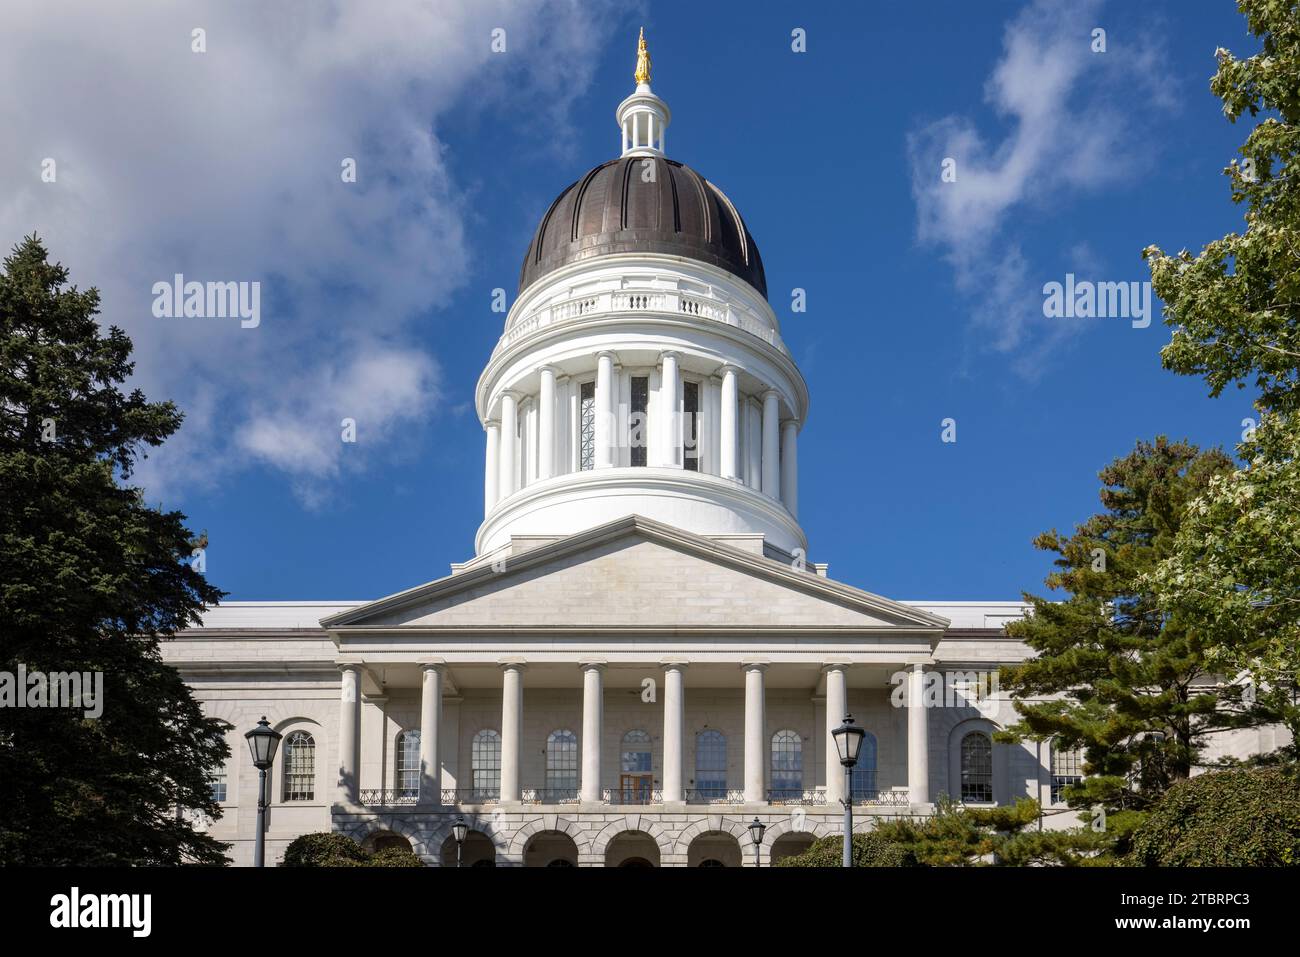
(728, 367)
(511, 394)
(835, 666)
(548, 368)
(491, 424)
(674, 664)
(669, 354)
(346, 666)
(434, 664)
(771, 393)
(755, 665)
(791, 423)
(512, 664)
(599, 664)
(603, 353)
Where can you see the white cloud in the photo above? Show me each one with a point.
(225, 165)
(1069, 131)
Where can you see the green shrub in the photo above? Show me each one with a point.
(869, 850)
(1242, 817)
(326, 849)
(394, 857)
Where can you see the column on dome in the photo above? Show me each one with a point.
(512, 727)
(546, 426)
(605, 406)
(790, 466)
(670, 424)
(729, 454)
(491, 468)
(593, 724)
(755, 732)
(508, 445)
(771, 444)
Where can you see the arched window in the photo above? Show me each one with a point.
(636, 752)
(299, 767)
(711, 765)
(562, 764)
(1067, 770)
(787, 766)
(863, 782)
(408, 764)
(485, 764)
(977, 767)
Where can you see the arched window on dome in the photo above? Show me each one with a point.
(587, 426)
(485, 765)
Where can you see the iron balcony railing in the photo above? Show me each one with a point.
(715, 796)
(549, 796)
(632, 795)
(386, 797)
(895, 798)
(452, 796)
(795, 796)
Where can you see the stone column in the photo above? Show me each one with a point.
(790, 466)
(755, 733)
(674, 726)
(670, 423)
(771, 444)
(492, 469)
(593, 727)
(350, 735)
(729, 458)
(512, 727)
(430, 734)
(604, 410)
(546, 424)
(918, 742)
(753, 446)
(837, 698)
(509, 442)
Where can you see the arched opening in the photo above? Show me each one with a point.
(386, 840)
(551, 849)
(714, 849)
(632, 849)
(790, 844)
(478, 851)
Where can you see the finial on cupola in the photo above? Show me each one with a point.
(642, 74)
(643, 117)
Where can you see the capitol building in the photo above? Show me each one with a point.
(641, 656)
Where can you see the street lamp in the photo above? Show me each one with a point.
(459, 830)
(848, 739)
(756, 830)
(262, 741)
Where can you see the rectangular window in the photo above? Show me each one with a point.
(1067, 770)
(638, 426)
(217, 785)
(691, 426)
(587, 426)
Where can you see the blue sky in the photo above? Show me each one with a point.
(921, 305)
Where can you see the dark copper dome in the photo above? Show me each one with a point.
(618, 208)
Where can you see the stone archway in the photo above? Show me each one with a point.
(384, 840)
(632, 849)
(715, 849)
(551, 849)
(478, 851)
(791, 843)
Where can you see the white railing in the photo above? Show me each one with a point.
(650, 301)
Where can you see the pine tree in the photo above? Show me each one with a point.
(91, 580)
(1113, 671)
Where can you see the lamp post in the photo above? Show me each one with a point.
(459, 830)
(262, 741)
(756, 830)
(848, 739)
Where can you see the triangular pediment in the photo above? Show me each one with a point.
(629, 574)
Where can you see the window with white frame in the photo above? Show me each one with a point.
(787, 766)
(408, 764)
(561, 763)
(977, 768)
(862, 781)
(711, 765)
(217, 784)
(485, 764)
(300, 767)
(1067, 770)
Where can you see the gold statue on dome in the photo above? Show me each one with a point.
(642, 74)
